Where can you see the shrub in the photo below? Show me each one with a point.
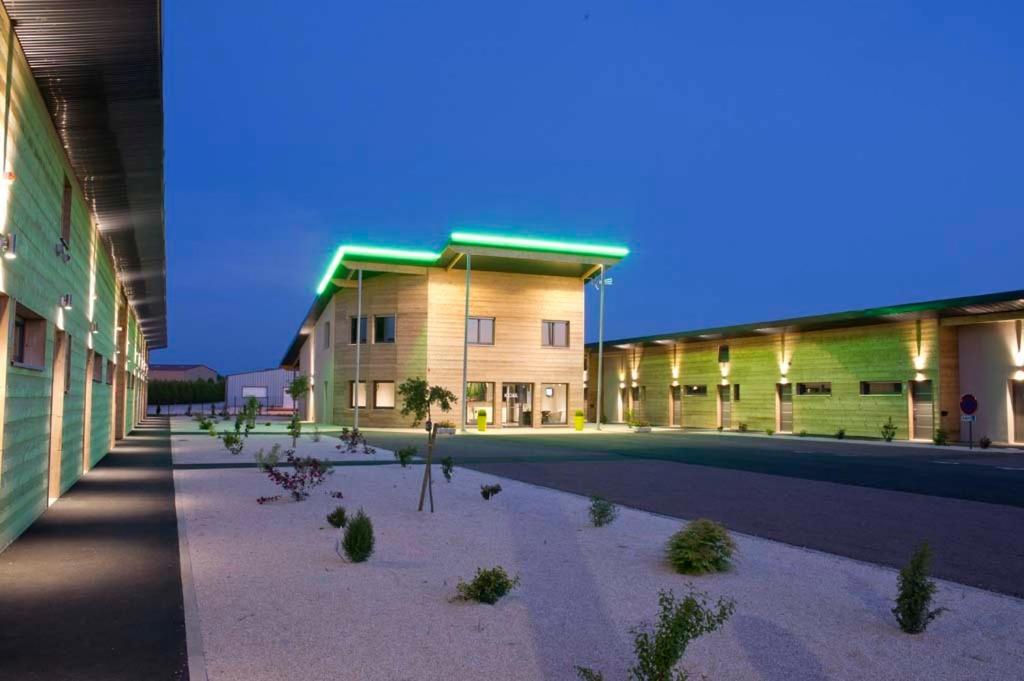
(358, 540)
(915, 593)
(233, 442)
(487, 586)
(641, 423)
(488, 491)
(294, 428)
(337, 517)
(841, 433)
(447, 467)
(985, 442)
(802, 433)
(269, 460)
(602, 511)
(742, 427)
(941, 437)
(354, 440)
(660, 647)
(307, 473)
(769, 431)
(404, 455)
(316, 433)
(702, 546)
(888, 430)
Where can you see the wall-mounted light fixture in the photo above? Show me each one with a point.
(919, 377)
(919, 362)
(1018, 375)
(635, 374)
(783, 367)
(622, 384)
(65, 301)
(9, 245)
(724, 366)
(9, 177)
(783, 381)
(633, 384)
(675, 383)
(62, 250)
(93, 327)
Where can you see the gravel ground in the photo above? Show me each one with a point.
(276, 602)
(206, 449)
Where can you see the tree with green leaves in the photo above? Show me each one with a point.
(297, 389)
(418, 400)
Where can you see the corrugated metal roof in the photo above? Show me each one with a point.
(99, 66)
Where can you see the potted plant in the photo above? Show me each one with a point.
(577, 419)
(481, 420)
(446, 428)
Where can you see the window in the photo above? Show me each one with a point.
(881, 388)
(479, 396)
(257, 391)
(696, 390)
(362, 330)
(555, 334)
(352, 395)
(131, 381)
(384, 329)
(65, 214)
(28, 346)
(723, 354)
(67, 364)
(384, 394)
(97, 368)
(326, 345)
(554, 404)
(640, 393)
(735, 392)
(480, 330)
(110, 372)
(813, 388)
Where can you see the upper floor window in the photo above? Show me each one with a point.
(28, 345)
(723, 354)
(696, 390)
(362, 329)
(97, 368)
(813, 388)
(555, 334)
(384, 329)
(480, 330)
(327, 336)
(65, 213)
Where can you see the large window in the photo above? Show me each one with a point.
(384, 394)
(97, 368)
(257, 391)
(352, 394)
(362, 326)
(111, 367)
(480, 330)
(554, 403)
(479, 396)
(28, 346)
(555, 334)
(881, 388)
(384, 329)
(813, 388)
(696, 390)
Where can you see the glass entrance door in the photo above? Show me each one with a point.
(924, 419)
(517, 404)
(1018, 411)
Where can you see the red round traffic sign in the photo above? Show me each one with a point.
(968, 404)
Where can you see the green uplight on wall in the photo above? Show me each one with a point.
(400, 256)
(530, 244)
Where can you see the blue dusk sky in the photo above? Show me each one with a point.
(761, 160)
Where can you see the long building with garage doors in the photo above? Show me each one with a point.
(82, 277)
(850, 371)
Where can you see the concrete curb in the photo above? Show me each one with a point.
(193, 631)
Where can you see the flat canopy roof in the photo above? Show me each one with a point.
(484, 251)
(984, 304)
(99, 67)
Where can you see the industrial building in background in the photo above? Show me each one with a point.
(181, 372)
(268, 386)
(82, 277)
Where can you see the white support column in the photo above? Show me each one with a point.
(600, 349)
(465, 343)
(359, 343)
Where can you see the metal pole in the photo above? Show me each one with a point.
(600, 350)
(465, 342)
(359, 343)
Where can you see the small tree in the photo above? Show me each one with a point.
(295, 429)
(418, 399)
(915, 593)
(297, 389)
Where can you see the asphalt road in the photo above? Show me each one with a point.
(867, 501)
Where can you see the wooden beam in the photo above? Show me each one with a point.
(344, 283)
(589, 273)
(455, 260)
(538, 255)
(982, 318)
(354, 265)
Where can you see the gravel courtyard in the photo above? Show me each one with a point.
(276, 602)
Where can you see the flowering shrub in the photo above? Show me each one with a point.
(307, 473)
(353, 440)
(488, 491)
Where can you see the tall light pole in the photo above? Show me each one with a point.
(359, 343)
(465, 342)
(600, 349)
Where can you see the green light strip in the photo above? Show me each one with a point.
(567, 247)
(397, 255)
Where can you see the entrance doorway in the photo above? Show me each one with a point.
(785, 397)
(676, 413)
(724, 407)
(58, 388)
(1018, 411)
(517, 404)
(923, 406)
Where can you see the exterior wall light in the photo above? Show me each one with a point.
(635, 374)
(622, 384)
(93, 327)
(783, 367)
(675, 384)
(783, 381)
(9, 245)
(920, 377)
(65, 301)
(919, 362)
(633, 384)
(1018, 375)
(675, 372)
(724, 366)
(725, 381)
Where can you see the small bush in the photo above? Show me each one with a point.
(941, 437)
(702, 546)
(660, 647)
(915, 593)
(602, 511)
(841, 434)
(447, 467)
(888, 430)
(337, 517)
(307, 473)
(316, 433)
(358, 540)
(742, 427)
(488, 491)
(233, 442)
(803, 433)
(487, 586)
(985, 442)
(404, 455)
(769, 431)
(353, 440)
(269, 460)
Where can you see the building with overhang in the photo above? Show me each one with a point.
(82, 277)
(908, 365)
(498, 320)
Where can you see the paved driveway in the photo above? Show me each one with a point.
(862, 500)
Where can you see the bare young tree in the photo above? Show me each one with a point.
(418, 398)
